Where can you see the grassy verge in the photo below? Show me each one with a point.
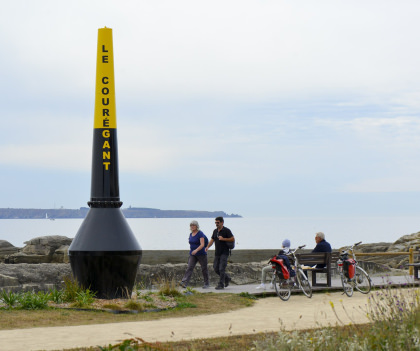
(395, 325)
(188, 305)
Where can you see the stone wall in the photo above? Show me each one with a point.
(43, 263)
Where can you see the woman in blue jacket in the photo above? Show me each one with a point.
(197, 241)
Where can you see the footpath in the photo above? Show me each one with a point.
(267, 315)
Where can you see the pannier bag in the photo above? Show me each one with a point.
(349, 267)
(280, 268)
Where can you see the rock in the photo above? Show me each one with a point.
(6, 280)
(44, 249)
(61, 255)
(154, 275)
(405, 242)
(376, 247)
(33, 274)
(6, 249)
(45, 245)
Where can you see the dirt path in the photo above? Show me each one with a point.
(266, 315)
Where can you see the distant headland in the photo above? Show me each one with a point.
(130, 212)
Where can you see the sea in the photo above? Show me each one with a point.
(250, 232)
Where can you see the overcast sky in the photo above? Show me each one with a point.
(288, 108)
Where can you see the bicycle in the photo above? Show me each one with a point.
(284, 286)
(352, 275)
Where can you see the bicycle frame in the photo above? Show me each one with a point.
(300, 281)
(361, 279)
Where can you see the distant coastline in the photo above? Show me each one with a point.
(131, 212)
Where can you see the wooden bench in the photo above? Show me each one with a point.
(416, 267)
(328, 259)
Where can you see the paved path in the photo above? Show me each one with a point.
(269, 314)
(266, 315)
(377, 281)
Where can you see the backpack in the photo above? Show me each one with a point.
(231, 244)
(206, 240)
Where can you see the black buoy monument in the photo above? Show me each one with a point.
(105, 254)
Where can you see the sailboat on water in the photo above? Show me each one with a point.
(46, 217)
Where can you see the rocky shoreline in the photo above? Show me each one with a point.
(43, 263)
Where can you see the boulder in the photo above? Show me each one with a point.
(45, 245)
(6, 249)
(44, 249)
(376, 247)
(403, 244)
(36, 275)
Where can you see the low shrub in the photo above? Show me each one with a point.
(71, 288)
(33, 301)
(134, 305)
(9, 298)
(84, 298)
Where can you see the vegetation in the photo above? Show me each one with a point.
(394, 321)
(15, 315)
(395, 325)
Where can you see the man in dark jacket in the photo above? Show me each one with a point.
(321, 246)
(220, 236)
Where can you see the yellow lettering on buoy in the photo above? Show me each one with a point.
(105, 113)
(105, 82)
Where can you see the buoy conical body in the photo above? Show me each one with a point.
(105, 254)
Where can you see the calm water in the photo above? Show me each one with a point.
(250, 233)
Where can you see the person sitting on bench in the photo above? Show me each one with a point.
(321, 246)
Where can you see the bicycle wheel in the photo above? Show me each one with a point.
(283, 288)
(347, 285)
(304, 283)
(362, 281)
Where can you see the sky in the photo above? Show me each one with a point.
(258, 108)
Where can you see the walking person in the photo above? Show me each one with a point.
(198, 253)
(221, 235)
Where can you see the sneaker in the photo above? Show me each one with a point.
(182, 284)
(227, 281)
(271, 286)
(261, 286)
(219, 287)
(206, 286)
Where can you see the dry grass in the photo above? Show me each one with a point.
(231, 343)
(201, 303)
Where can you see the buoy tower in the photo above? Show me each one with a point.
(105, 254)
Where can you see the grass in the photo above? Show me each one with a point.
(395, 325)
(394, 316)
(188, 305)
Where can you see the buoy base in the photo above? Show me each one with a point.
(110, 274)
